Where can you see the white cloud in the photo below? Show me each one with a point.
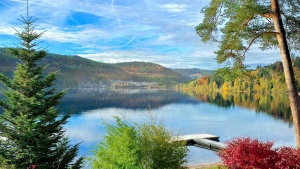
(85, 35)
(6, 30)
(172, 7)
(196, 58)
(80, 35)
(165, 39)
(117, 56)
(133, 30)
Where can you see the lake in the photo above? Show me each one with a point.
(262, 117)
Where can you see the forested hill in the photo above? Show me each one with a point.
(75, 71)
(147, 69)
(266, 80)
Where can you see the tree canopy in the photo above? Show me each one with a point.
(246, 22)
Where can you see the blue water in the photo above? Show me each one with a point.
(180, 113)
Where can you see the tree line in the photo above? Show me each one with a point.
(264, 79)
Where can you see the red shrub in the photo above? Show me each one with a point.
(289, 158)
(244, 153)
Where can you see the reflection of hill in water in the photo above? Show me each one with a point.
(81, 100)
(276, 105)
(77, 101)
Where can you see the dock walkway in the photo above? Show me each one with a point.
(207, 141)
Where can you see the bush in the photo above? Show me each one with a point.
(118, 149)
(244, 153)
(134, 146)
(157, 151)
(4, 165)
(289, 158)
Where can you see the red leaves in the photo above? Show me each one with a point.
(289, 158)
(34, 166)
(244, 153)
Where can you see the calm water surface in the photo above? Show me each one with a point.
(181, 113)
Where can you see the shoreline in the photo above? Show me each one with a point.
(203, 166)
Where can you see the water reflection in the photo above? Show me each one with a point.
(228, 116)
(181, 113)
(77, 101)
(275, 105)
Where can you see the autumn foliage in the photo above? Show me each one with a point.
(244, 153)
(264, 80)
(289, 158)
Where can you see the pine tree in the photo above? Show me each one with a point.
(242, 23)
(31, 127)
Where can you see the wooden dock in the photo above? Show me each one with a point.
(207, 141)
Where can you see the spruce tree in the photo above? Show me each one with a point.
(31, 127)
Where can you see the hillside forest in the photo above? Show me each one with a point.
(264, 80)
(263, 89)
(76, 72)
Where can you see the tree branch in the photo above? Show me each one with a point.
(267, 14)
(247, 21)
(257, 36)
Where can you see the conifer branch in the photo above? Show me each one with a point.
(256, 36)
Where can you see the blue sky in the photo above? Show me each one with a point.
(110, 31)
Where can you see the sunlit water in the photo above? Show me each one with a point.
(180, 113)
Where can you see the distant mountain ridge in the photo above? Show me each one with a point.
(148, 69)
(75, 71)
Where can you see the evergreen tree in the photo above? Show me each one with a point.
(31, 127)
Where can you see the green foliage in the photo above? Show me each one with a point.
(4, 165)
(156, 149)
(31, 125)
(119, 148)
(264, 73)
(215, 78)
(243, 23)
(147, 146)
(229, 74)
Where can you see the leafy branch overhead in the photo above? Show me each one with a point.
(244, 23)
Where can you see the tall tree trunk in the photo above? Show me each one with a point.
(288, 69)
